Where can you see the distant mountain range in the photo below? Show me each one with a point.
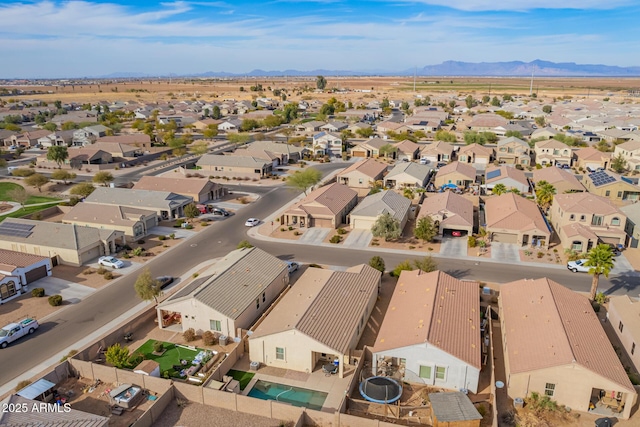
(448, 68)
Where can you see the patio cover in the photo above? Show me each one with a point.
(36, 389)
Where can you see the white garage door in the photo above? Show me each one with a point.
(504, 238)
(362, 224)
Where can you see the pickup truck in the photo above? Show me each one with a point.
(13, 331)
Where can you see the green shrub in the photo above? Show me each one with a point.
(101, 270)
(296, 233)
(23, 172)
(472, 241)
(172, 236)
(108, 275)
(37, 292)
(188, 226)
(178, 223)
(601, 298)
(138, 251)
(158, 346)
(540, 254)
(335, 239)
(290, 228)
(189, 335)
(136, 359)
(162, 237)
(341, 231)
(377, 263)
(55, 300)
(282, 229)
(208, 338)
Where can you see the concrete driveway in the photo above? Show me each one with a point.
(505, 252)
(314, 236)
(181, 233)
(453, 246)
(621, 265)
(71, 292)
(358, 239)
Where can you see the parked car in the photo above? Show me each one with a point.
(109, 261)
(219, 211)
(13, 331)
(456, 233)
(164, 281)
(578, 265)
(424, 161)
(292, 266)
(252, 222)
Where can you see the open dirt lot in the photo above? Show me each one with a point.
(195, 415)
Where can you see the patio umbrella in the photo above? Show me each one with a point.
(603, 422)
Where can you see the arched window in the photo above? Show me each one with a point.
(615, 221)
(7, 290)
(576, 246)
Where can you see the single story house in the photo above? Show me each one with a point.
(287, 152)
(62, 243)
(407, 150)
(437, 151)
(371, 148)
(28, 139)
(327, 206)
(138, 140)
(508, 176)
(230, 295)
(449, 212)
(364, 216)
(199, 189)
(475, 154)
(591, 159)
(235, 166)
(317, 322)
(462, 175)
(611, 185)
(554, 345)
(441, 342)
(17, 270)
(511, 218)
(408, 174)
(362, 175)
(563, 181)
(167, 205)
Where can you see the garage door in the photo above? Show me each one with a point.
(36, 273)
(362, 224)
(505, 238)
(319, 222)
(449, 232)
(359, 153)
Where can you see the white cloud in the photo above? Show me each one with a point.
(522, 5)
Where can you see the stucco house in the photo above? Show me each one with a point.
(28, 139)
(553, 152)
(508, 176)
(623, 315)
(166, 204)
(437, 151)
(62, 243)
(61, 138)
(318, 321)
(591, 159)
(199, 189)
(630, 151)
(228, 296)
(327, 143)
(511, 218)
(486, 122)
(408, 174)
(632, 227)
(17, 270)
(563, 181)
(582, 220)
(554, 345)
(611, 185)
(406, 149)
(362, 175)
(456, 173)
(450, 212)
(364, 215)
(475, 154)
(513, 151)
(138, 140)
(287, 152)
(327, 206)
(89, 134)
(235, 166)
(440, 343)
(371, 148)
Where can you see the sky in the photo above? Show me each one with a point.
(91, 38)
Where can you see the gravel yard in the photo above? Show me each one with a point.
(196, 415)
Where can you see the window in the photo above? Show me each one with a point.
(215, 325)
(572, 217)
(633, 348)
(576, 246)
(607, 193)
(8, 290)
(441, 372)
(425, 372)
(549, 389)
(597, 220)
(582, 218)
(620, 326)
(257, 303)
(619, 194)
(359, 180)
(615, 221)
(280, 353)
(264, 296)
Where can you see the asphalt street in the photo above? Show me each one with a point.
(77, 321)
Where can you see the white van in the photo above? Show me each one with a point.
(10, 169)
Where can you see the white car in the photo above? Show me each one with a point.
(578, 265)
(251, 222)
(292, 266)
(109, 261)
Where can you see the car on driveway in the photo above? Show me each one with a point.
(109, 261)
(164, 281)
(219, 212)
(456, 233)
(578, 266)
(292, 266)
(252, 222)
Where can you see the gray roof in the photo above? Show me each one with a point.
(420, 172)
(453, 406)
(387, 201)
(231, 160)
(73, 418)
(632, 211)
(276, 147)
(137, 198)
(234, 282)
(56, 235)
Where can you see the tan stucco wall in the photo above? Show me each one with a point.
(626, 336)
(65, 256)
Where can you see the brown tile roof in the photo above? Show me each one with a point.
(369, 167)
(585, 203)
(551, 143)
(18, 259)
(105, 214)
(549, 325)
(507, 171)
(479, 150)
(332, 198)
(577, 229)
(138, 138)
(487, 120)
(437, 147)
(184, 186)
(407, 146)
(435, 308)
(591, 153)
(456, 209)
(512, 212)
(556, 175)
(325, 305)
(458, 167)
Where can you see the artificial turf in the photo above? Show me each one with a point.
(242, 377)
(172, 356)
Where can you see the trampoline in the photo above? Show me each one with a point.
(380, 389)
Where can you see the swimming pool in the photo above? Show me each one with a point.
(295, 396)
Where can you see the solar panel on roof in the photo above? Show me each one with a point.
(16, 230)
(601, 178)
(493, 174)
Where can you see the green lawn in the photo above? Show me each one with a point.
(241, 376)
(172, 356)
(6, 187)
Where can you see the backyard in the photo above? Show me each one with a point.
(244, 378)
(170, 359)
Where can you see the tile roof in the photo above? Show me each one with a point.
(18, 259)
(276, 147)
(454, 208)
(182, 186)
(629, 146)
(512, 212)
(458, 167)
(137, 198)
(435, 308)
(73, 418)
(415, 170)
(332, 198)
(507, 172)
(513, 140)
(138, 138)
(325, 305)
(369, 167)
(586, 203)
(406, 146)
(437, 147)
(479, 150)
(232, 161)
(387, 201)
(100, 214)
(547, 324)
(554, 175)
(234, 282)
(590, 153)
(57, 235)
(488, 120)
(552, 143)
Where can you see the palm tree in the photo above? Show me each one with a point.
(544, 194)
(600, 261)
(499, 189)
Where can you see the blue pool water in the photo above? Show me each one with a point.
(295, 396)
